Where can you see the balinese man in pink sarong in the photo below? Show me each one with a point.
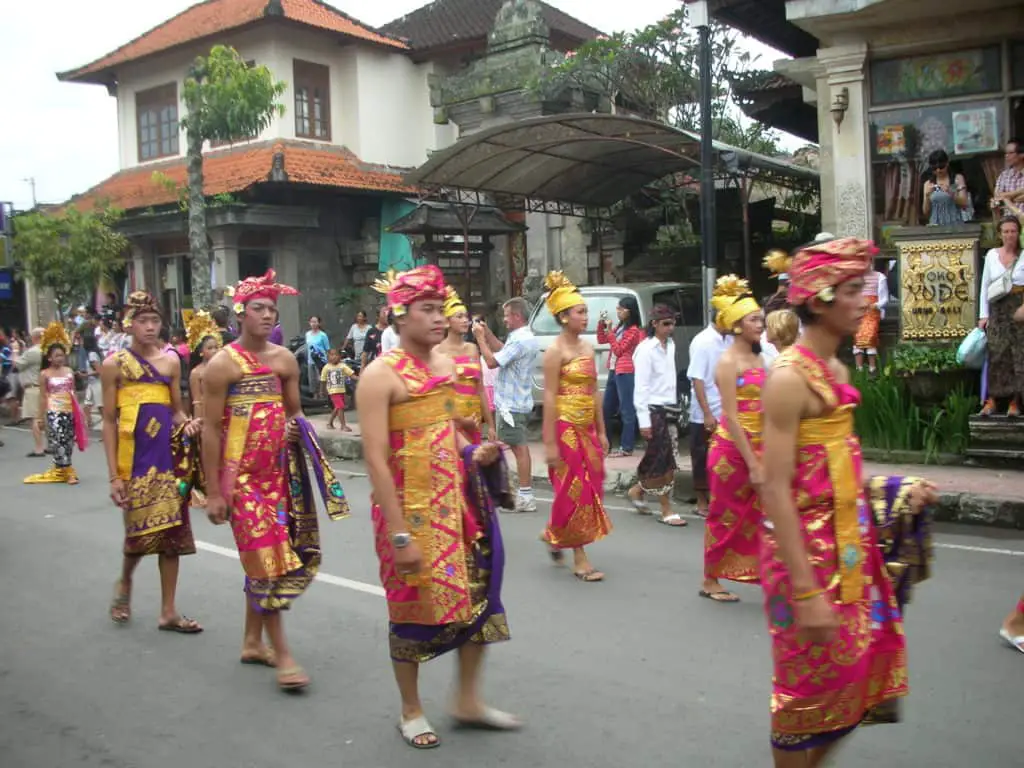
(435, 497)
(826, 562)
(259, 479)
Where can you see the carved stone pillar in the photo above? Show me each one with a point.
(845, 192)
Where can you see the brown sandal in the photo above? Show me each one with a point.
(120, 606)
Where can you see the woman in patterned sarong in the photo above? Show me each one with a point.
(575, 442)
(471, 407)
(1012, 630)
(204, 341)
(59, 415)
(832, 573)
(731, 530)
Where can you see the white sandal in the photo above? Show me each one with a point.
(490, 720)
(1014, 642)
(417, 728)
(675, 520)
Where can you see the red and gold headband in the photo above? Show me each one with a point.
(819, 268)
(253, 288)
(403, 288)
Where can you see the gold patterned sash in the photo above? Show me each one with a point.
(832, 431)
(575, 409)
(130, 398)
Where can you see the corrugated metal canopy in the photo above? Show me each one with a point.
(591, 160)
(588, 159)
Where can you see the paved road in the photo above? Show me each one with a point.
(635, 671)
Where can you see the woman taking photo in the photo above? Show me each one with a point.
(618, 393)
(946, 201)
(1002, 292)
(574, 433)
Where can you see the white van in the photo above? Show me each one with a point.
(683, 297)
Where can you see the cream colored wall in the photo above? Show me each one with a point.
(380, 99)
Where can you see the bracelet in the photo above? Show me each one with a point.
(809, 594)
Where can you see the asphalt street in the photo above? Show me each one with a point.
(635, 671)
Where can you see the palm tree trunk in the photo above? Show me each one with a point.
(202, 289)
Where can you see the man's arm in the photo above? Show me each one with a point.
(290, 395)
(377, 388)
(493, 342)
(30, 357)
(698, 374)
(642, 386)
(783, 401)
(180, 416)
(110, 373)
(216, 379)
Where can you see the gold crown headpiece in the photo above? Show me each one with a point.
(55, 333)
(562, 294)
(452, 303)
(200, 327)
(731, 286)
(777, 262)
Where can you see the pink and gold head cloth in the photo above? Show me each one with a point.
(818, 268)
(403, 288)
(253, 288)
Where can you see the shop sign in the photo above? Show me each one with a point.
(938, 289)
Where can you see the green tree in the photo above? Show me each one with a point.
(69, 252)
(654, 71)
(225, 100)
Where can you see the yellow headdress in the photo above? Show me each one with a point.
(452, 303)
(55, 333)
(200, 327)
(733, 301)
(562, 294)
(778, 263)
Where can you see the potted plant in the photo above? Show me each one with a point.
(931, 370)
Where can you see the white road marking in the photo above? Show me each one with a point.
(338, 581)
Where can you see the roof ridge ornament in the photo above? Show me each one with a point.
(273, 8)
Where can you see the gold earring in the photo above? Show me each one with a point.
(737, 331)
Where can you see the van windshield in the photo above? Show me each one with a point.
(544, 322)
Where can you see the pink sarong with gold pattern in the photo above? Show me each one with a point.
(578, 517)
(733, 526)
(821, 692)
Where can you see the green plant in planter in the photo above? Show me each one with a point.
(909, 358)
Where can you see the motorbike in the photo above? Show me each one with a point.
(309, 391)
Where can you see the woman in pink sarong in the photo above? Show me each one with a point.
(575, 442)
(471, 408)
(731, 531)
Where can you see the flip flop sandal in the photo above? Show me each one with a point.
(674, 520)
(266, 659)
(183, 625)
(591, 577)
(120, 606)
(34, 455)
(1014, 642)
(719, 597)
(639, 506)
(417, 728)
(489, 720)
(299, 682)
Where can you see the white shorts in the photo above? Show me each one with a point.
(865, 350)
(94, 393)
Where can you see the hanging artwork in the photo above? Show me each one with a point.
(938, 75)
(892, 140)
(975, 130)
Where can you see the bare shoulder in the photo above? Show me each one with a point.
(379, 381)
(284, 361)
(587, 349)
(839, 370)
(440, 363)
(222, 366)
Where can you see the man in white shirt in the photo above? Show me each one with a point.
(655, 401)
(705, 406)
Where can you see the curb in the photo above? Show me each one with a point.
(960, 508)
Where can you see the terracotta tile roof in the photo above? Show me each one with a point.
(214, 17)
(444, 22)
(238, 168)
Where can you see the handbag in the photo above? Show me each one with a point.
(972, 350)
(1002, 285)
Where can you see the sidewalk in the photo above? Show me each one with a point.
(973, 495)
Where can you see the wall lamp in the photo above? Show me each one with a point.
(840, 104)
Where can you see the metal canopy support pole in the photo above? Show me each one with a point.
(700, 17)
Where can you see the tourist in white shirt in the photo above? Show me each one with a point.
(705, 406)
(654, 364)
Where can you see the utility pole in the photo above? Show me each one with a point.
(701, 18)
(31, 181)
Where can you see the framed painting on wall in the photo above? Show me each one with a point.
(975, 130)
(936, 76)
